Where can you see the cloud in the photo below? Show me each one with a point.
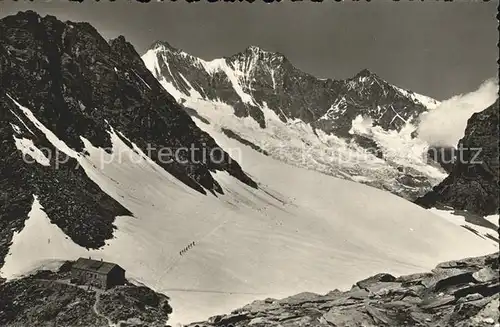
(445, 125)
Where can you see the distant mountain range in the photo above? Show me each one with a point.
(316, 123)
(253, 78)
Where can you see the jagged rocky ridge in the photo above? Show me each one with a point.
(253, 77)
(462, 293)
(473, 181)
(80, 86)
(47, 299)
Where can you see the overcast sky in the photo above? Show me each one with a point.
(434, 48)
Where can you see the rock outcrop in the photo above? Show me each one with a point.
(473, 181)
(463, 293)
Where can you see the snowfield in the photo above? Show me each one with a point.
(488, 229)
(300, 231)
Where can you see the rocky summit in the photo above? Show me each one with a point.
(463, 293)
(472, 184)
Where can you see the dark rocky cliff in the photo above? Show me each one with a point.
(473, 181)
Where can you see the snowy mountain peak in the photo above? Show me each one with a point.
(367, 76)
(259, 56)
(260, 51)
(163, 46)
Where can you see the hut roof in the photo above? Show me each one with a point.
(97, 266)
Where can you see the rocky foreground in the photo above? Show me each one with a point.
(463, 293)
(48, 299)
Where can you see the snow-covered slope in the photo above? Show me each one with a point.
(299, 231)
(359, 129)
